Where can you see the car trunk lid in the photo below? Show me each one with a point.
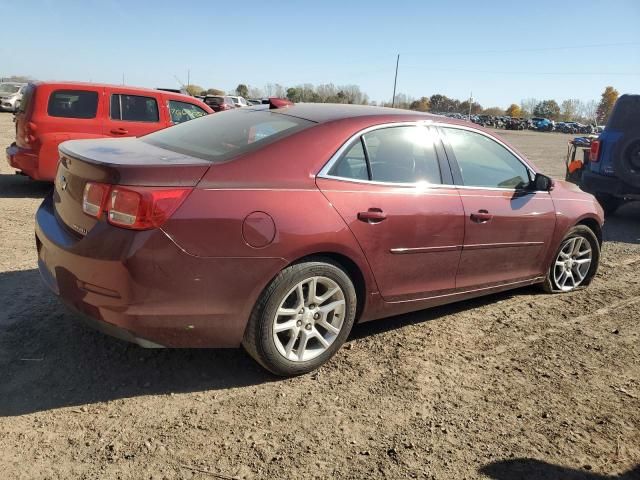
(124, 162)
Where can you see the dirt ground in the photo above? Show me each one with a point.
(510, 386)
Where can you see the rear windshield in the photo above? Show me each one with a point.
(221, 136)
(73, 104)
(214, 100)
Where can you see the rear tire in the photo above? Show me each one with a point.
(293, 328)
(569, 269)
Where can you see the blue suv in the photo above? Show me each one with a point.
(613, 171)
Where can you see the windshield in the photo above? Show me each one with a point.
(9, 88)
(221, 136)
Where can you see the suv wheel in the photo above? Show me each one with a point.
(575, 263)
(626, 154)
(302, 318)
(609, 203)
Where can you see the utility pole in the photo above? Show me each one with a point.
(395, 81)
(470, 102)
(188, 77)
(123, 78)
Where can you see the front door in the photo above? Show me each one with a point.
(387, 186)
(508, 226)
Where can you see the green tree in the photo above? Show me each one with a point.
(421, 105)
(194, 89)
(443, 104)
(609, 97)
(214, 91)
(242, 90)
(463, 107)
(514, 110)
(294, 94)
(547, 109)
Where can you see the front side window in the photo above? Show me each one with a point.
(394, 155)
(484, 162)
(183, 111)
(134, 108)
(73, 104)
(220, 137)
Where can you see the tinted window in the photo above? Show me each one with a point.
(221, 137)
(352, 164)
(484, 162)
(73, 104)
(402, 155)
(134, 108)
(214, 100)
(183, 111)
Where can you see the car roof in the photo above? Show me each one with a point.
(329, 112)
(108, 85)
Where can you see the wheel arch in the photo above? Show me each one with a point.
(594, 226)
(350, 266)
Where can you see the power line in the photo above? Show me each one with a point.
(431, 69)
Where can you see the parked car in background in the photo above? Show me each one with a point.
(239, 101)
(542, 124)
(11, 95)
(279, 228)
(52, 112)
(612, 172)
(219, 103)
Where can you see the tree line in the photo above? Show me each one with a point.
(569, 109)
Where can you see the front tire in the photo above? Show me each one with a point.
(302, 318)
(575, 263)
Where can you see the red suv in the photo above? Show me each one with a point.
(51, 113)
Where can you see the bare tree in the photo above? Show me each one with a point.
(527, 106)
(589, 109)
(569, 109)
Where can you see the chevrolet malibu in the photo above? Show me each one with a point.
(278, 229)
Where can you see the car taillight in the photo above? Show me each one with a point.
(137, 208)
(594, 153)
(94, 198)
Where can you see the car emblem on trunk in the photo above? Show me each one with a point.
(63, 183)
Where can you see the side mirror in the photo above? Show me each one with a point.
(542, 183)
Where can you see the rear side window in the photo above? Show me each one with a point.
(220, 137)
(134, 108)
(73, 104)
(183, 111)
(395, 155)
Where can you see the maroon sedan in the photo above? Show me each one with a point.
(278, 229)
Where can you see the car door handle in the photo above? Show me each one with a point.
(482, 216)
(373, 215)
(119, 131)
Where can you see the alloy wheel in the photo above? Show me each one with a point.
(309, 319)
(572, 263)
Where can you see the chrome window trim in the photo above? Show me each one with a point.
(324, 172)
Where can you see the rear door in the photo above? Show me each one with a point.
(387, 185)
(132, 113)
(508, 227)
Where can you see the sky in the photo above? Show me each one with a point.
(502, 51)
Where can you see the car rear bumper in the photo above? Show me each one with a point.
(23, 159)
(140, 287)
(601, 184)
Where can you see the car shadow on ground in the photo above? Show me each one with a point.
(49, 359)
(531, 469)
(20, 186)
(624, 225)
